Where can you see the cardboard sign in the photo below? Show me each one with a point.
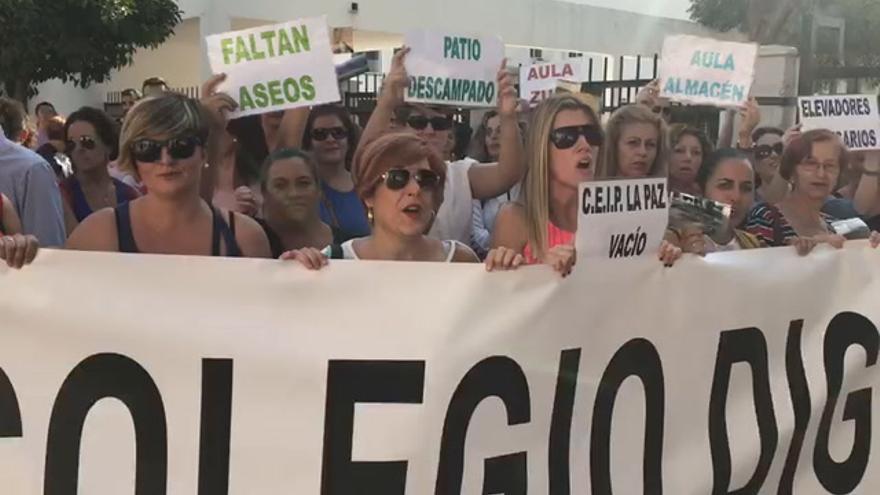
(853, 117)
(276, 67)
(622, 218)
(538, 82)
(705, 71)
(453, 69)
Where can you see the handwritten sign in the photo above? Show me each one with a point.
(276, 67)
(705, 71)
(538, 82)
(452, 69)
(622, 218)
(854, 118)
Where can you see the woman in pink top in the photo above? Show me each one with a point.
(562, 150)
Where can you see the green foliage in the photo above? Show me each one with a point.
(76, 40)
(722, 15)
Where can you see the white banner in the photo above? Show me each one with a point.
(622, 218)
(853, 117)
(171, 375)
(537, 82)
(276, 67)
(705, 71)
(453, 69)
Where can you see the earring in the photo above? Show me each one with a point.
(370, 215)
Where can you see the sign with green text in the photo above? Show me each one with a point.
(453, 69)
(277, 67)
(705, 71)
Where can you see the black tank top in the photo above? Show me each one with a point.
(221, 229)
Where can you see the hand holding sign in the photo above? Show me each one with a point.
(562, 258)
(508, 100)
(397, 80)
(219, 105)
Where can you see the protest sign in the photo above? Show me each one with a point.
(538, 82)
(622, 218)
(704, 71)
(276, 67)
(453, 69)
(623, 378)
(853, 117)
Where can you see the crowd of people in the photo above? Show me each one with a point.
(175, 175)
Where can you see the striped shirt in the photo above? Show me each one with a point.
(771, 227)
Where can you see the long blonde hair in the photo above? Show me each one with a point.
(535, 194)
(632, 114)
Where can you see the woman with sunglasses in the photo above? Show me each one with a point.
(291, 211)
(331, 138)
(812, 164)
(400, 178)
(635, 145)
(563, 145)
(163, 145)
(766, 150)
(91, 144)
(465, 182)
(16, 249)
(689, 147)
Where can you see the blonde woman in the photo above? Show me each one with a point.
(563, 145)
(635, 145)
(163, 145)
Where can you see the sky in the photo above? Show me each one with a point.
(676, 9)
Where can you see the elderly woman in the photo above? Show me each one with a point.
(163, 146)
(400, 179)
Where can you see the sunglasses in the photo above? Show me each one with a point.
(150, 150)
(338, 134)
(419, 122)
(398, 178)
(566, 137)
(86, 142)
(765, 150)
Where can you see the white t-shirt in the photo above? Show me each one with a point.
(454, 218)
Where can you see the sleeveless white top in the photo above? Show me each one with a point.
(454, 218)
(449, 250)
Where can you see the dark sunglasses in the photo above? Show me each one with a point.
(566, 137)
(765, 150)
(419, 122)
(150, 150)
(338, 133)
(87, 142)
(397, 178)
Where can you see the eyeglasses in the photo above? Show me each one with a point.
(86, 142)
(150, 150)
(397, 178)
(419, 122)
(566, 137)
(765, 150)
(813, 165)
(338, 133)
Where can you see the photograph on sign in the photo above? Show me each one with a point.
(276, 67)
(705, 71)
(854, 118)
(537, 82)
(453, 69)
(622, 218)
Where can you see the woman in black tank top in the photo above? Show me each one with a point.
(163, 144)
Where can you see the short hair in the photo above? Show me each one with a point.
(347, 122)
(55, 130)
(133, 93)
(287, 154)
(103, 124)
(711, 163)
(801, 148)
(762, 131)
(12, 116)
(678, 131)
(394, 150)
(165, 116)
(44, 104)
(154, 81)
(622, 117)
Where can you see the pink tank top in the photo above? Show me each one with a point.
(555, 237)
